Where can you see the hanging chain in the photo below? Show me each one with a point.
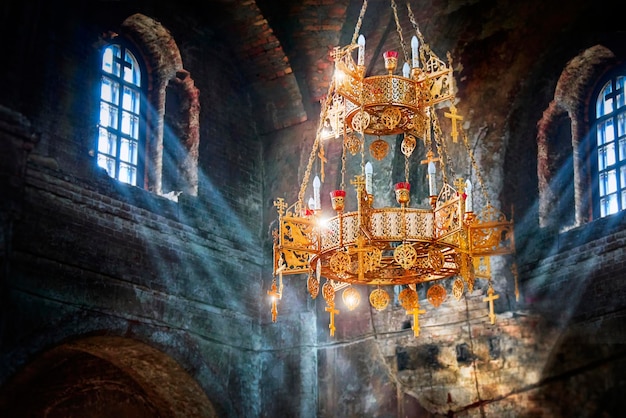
(475, 167)
(424, 48)
(359, 22)
(318, 138)
(343, 152)
(444, 158)
(406, 168)
(399, 29)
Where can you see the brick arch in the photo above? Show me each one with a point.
(104, 376)
(166, 74)
(569, 106)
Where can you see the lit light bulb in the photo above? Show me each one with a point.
(406, 70)
(351, 298)
(415, 51)
(369, 172)
(316, 193)
(432, 171)
(468, 198)
(361, 56)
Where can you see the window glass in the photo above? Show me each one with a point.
(610, 134)
(118, 140)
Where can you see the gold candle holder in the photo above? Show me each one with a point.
(403, 190)
(337, 198)
(391, 60)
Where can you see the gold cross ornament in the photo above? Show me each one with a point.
(492, 296)
(416, 311)
(331, 309)
(454, 118)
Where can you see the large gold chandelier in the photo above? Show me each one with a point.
(376, 247)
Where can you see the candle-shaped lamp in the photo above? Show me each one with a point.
(369, 172)
(432, 188)
(468, 197)
(361, 56)
(316, 193)
(406, 70)
(415, 51)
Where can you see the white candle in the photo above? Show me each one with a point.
(415, 51)
(312, 204)
(406, 70)
(468, 198)
(361, 56)
(369, 171)
(432, 188)
(316, 192)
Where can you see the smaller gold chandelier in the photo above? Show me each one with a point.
(389, 246)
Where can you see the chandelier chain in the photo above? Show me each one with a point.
(424, 48)
(475, 167)
(343, 157)
(399, 30)
(444, 158)
(316, 144)
(406, 168)
(359, 22)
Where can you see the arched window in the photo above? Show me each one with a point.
(610, 145)
(120, 130)
(148, 126)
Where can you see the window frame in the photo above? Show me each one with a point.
(141, 129)
(618, 165)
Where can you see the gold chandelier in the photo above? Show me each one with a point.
(375, 247)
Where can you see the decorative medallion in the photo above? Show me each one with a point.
(379, 299)
(457, 289)
(361, 121)
(340, 262)
(379, 149)
(353, 143)
(351, 298)
(408, 298)
(405, 255)
(436, 294)
(408, 145)
(435, 259)
(391, 117)
(313, 286)
(328, 291)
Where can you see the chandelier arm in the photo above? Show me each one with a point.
(399, 30)
(316, 145)
(359, 22)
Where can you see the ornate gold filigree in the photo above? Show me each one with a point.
(353, 143)
(313, 286)
(405, 255)
(408, 298)
(436, 295)
(379, 299)
(340, 262)
(458, 288)
(408, 145)
(435, 259)
(379, 149)
(328, 291)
